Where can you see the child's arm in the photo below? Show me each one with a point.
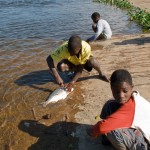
(52, 68)
(78, 73)
(122, 118)
(94, 27)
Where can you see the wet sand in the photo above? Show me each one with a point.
(27, 82)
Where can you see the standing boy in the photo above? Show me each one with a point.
(100, 27)
(126, 119)
(74, 55)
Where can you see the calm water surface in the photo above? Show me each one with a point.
(22, 19)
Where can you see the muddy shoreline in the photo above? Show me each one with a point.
(23, 126)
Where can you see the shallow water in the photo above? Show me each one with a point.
(29, 30)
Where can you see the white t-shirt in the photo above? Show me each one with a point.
(102, 27)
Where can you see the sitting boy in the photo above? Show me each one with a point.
(74, 55)
(126, 120)
(100, 27)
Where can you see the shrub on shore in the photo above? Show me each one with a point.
(142, 17)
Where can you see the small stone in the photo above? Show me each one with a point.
(47, 116)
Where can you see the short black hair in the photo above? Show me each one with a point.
(120, 75)
(95, 14)
(74, 42)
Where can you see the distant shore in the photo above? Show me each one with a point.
(145, 4)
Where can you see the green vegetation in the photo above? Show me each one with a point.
(142, 17)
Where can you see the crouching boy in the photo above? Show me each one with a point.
(73, 55)
(126, 119)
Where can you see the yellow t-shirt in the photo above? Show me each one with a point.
(62, 53)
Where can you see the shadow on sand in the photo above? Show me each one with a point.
(138, 41)
(33, 79)
(58, 136)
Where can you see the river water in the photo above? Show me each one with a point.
(29, 30)
(23, 19)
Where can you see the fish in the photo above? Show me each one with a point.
(59, 94)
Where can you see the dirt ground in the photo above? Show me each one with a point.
(143, 5)
(66, 128)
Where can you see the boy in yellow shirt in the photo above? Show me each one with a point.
(74, 55)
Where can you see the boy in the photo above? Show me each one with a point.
(126, 120)
(100, 27)
(74, 55)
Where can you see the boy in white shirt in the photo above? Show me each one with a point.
(100, 27)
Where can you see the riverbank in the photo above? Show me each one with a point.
(128, 52)
(145, 4)
(25, 128)
(22, 123)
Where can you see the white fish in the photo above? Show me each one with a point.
(59, 94)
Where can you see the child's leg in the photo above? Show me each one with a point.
(92, 62)
(65, 65)
(127, 139)
(102, 37)
(88, 66)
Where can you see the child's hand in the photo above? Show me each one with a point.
(94, 27)
(69, 86)
(59, 81)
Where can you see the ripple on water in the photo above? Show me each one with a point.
(49, 19)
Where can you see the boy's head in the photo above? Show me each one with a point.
(95, 17)
(121, 85)
(74, 45)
